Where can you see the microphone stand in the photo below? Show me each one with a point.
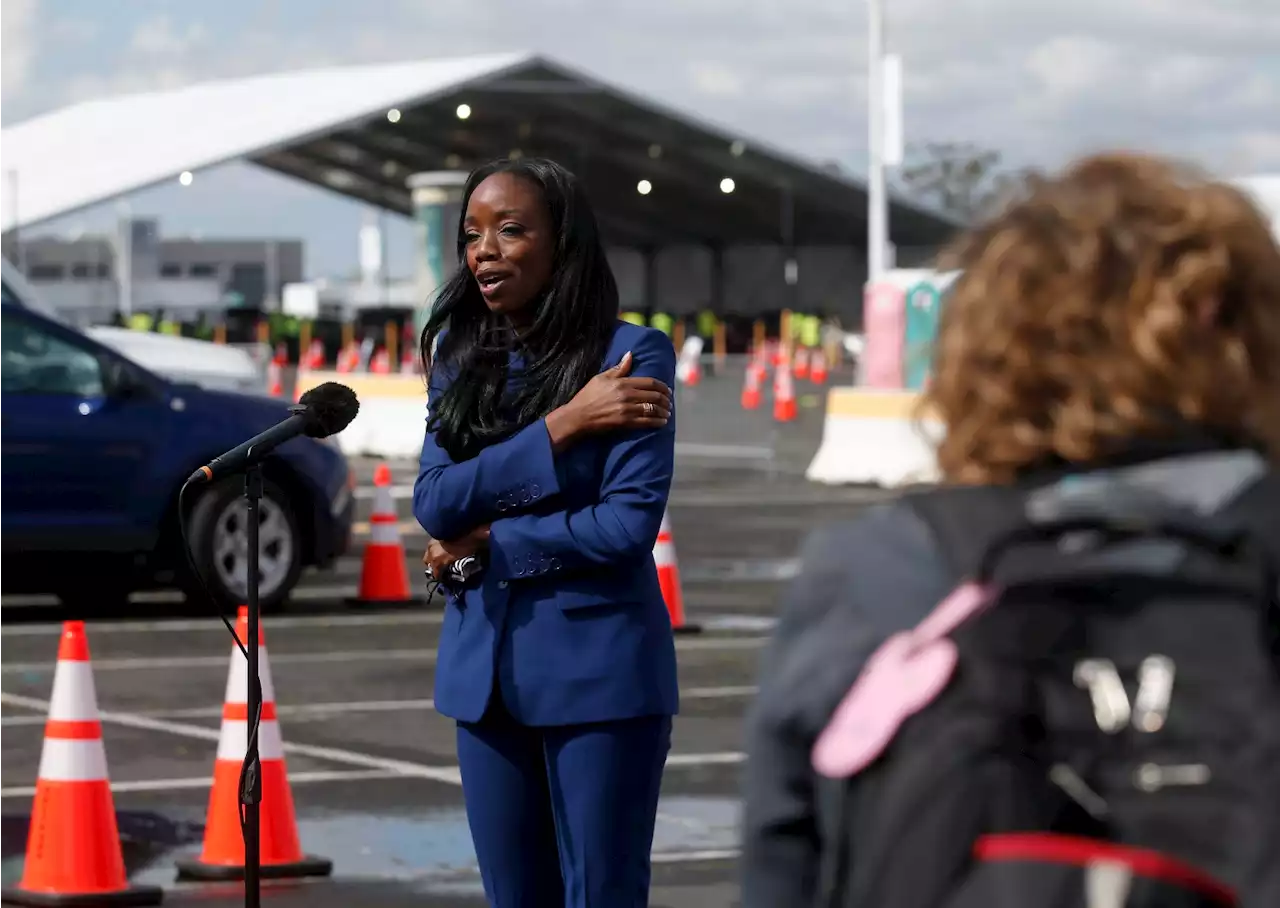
(251, 790)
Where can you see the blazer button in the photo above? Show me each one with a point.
(535, 490)
(502, 584)
(555, 564)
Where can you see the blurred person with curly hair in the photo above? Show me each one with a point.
(1121, 314)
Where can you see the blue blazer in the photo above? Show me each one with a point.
(568, 617)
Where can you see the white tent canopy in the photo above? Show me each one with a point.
(330, 127)
(98, 150)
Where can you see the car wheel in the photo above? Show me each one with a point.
(218, 533)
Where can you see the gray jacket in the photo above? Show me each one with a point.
(861, 581)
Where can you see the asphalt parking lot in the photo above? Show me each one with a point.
(372, 766)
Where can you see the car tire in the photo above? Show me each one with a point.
(216, 531)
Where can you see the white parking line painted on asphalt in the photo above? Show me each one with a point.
(725, 758)
(398, 492)
(449, 775)
(727, 452)
(270, 622)
(695, 857)
(303, 710)
(144, 663)
(309, 591)
(446, 774)
(203, 782)
(762, 624)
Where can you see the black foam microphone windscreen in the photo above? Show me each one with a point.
(331, 408)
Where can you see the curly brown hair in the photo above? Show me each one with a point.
(1112, 302)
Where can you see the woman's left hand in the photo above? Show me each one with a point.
(442, 553)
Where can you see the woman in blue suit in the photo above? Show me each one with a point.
(548, 456)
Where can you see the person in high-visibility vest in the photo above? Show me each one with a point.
(706, 322)
(810, 331)
(663, 322)
(633, 318)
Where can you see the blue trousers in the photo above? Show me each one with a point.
(563, 815)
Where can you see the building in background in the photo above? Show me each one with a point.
(95, 278)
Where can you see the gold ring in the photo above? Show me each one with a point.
(648, 408)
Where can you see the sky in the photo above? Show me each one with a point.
(1039, 80)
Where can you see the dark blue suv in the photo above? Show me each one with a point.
(95, 449)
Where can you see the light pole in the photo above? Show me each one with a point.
(877, 195)
(124, 259)
(19, 256)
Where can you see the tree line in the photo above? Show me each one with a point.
(960, 179)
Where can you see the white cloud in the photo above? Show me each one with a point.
(17, 18)
(716, 79)
(162, 38)
(1040, 81)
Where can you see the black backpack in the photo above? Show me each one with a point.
(1109, 735)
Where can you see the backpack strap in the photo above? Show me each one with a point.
(1208, 500)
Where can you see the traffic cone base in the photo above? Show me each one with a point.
(132, 897)
(77, 875)
(280, 854)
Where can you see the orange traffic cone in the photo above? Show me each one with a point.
(818, 367)
(315, 356)
(694, 377)
(384, 577)
(751, 386)
(784, 395)
(664, 556)
(73, 848)
(222, 857)
(801, 369)
(348, 359)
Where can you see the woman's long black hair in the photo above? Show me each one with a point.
(564, 346)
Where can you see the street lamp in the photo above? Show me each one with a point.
(644, 187)
(877, 192)
(727, 185)
(185, 178)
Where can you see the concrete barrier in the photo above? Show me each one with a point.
(393, 413)
(874, 437)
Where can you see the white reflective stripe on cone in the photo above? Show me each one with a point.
(74, 698)
(384, 534)
(73, 760)
(234, 740)
(238, 678)
(664, 554)
(382, 503)
(665, 528)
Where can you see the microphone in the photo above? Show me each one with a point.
(323, 411)
(465, 568)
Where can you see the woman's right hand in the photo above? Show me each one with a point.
(611, 400)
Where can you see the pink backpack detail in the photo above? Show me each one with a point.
(906, 673)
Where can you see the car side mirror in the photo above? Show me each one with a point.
(121, 380)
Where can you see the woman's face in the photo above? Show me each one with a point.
(510, 247)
